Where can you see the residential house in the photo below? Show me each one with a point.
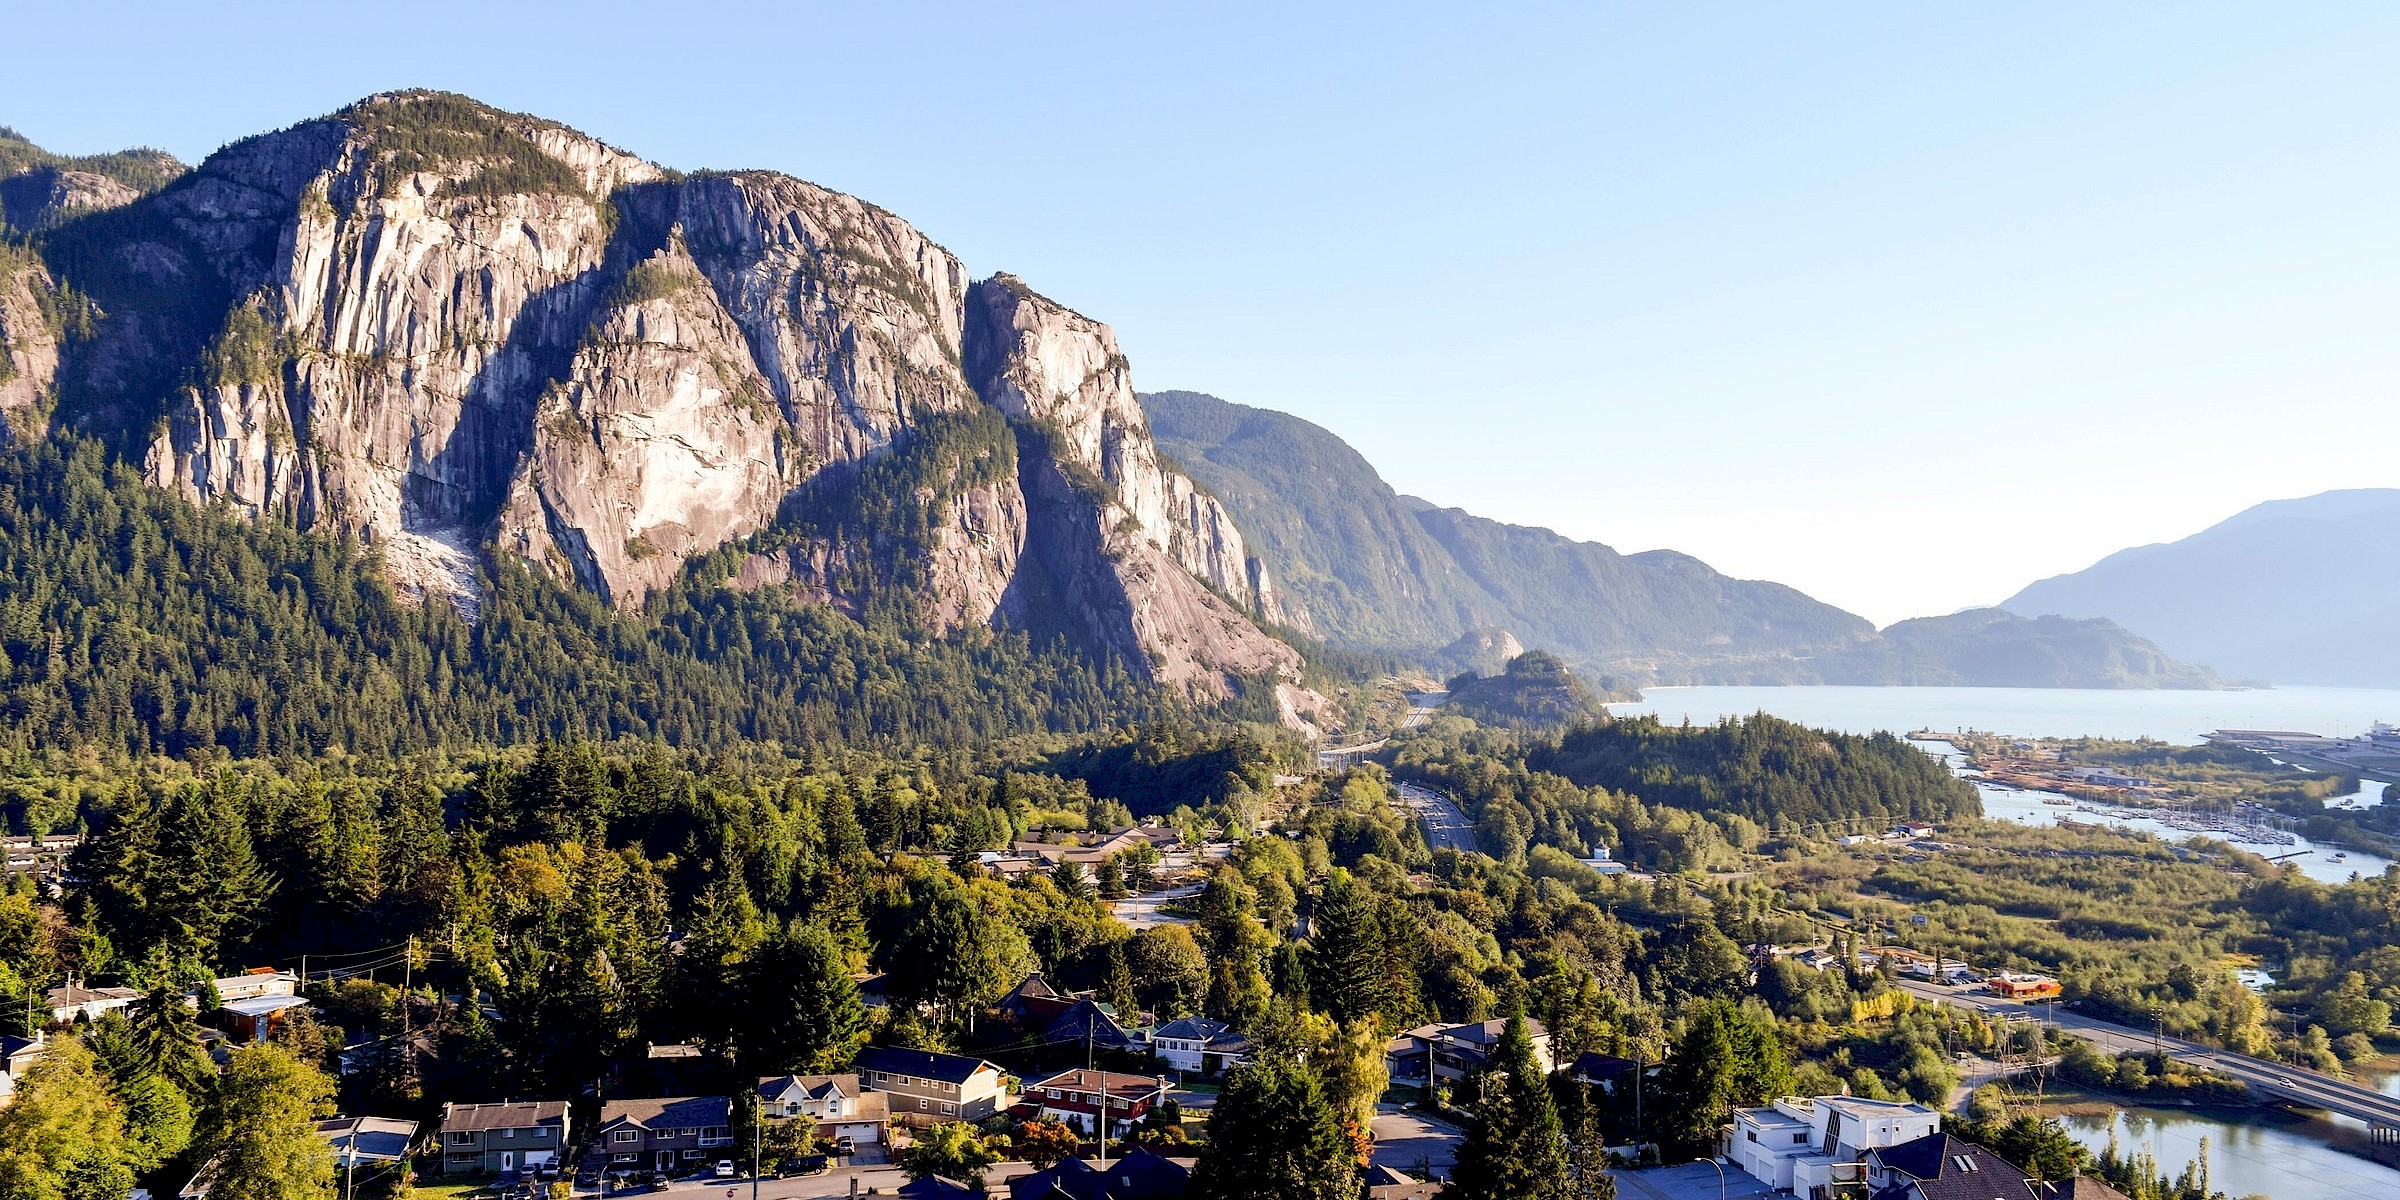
(1137, 1174)
(1941, 1167)
(74, 1000)
(1386, 1183)
(17, 1056)
(839, 1106)
(924, 1087)
(1079, 1099)
(664, 1134)
(1449, 1053)
(1199, 1046)
(1809, 1146)
(934, 1187)
(358, 1141)
(1042, 1013)
(1595, 1069)
(511, 1135)
(252, 1018)
(262, 981)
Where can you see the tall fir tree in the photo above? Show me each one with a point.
(1515, 1150)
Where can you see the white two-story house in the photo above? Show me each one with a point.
(839, 1106)
(1808, 1146)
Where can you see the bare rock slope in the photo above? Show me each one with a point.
(448, 329)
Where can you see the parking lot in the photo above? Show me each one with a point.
(1690, 1181)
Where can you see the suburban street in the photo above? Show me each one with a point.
(1408, 1140)
(2283, 1081)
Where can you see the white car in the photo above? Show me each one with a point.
(724, 1168)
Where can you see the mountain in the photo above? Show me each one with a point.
(2294, 591)
(457, 334)
(1990, 647)
(1363, 566)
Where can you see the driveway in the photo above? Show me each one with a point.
(1409, 1140)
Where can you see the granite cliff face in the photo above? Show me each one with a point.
(451, 330)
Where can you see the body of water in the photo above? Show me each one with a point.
(2282, 1156)
(2288, 1159)
(2186, 717)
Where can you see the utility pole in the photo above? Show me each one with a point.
(758, 1121)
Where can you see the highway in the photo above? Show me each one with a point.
(1421, 707)
(2279, 1081)
(1446, 827)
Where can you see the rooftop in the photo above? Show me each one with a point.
(921, 1064)
(506, 1114)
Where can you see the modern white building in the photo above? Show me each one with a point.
(1808, 1146)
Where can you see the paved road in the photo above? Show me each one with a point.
(1142, 911)
(1408, 1140)
(1445, 826)
(2280, 1081)
(1421, 707)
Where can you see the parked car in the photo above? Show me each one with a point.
(815, 1164)
(724, 1168)
(843, 1145)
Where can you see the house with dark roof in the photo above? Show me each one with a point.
(1389, 1183)
(1136, 1175)
(923, 1087)
(1042, 1013)
(1198, 1046)
(1941, 1167)
(1449, 1053)
(17, 1056)
(664, 1134)
(489, 1139)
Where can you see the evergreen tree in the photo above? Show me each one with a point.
(1347, 972)
(1727, 1058)
(1117, 986)
(1275, 1136)
(1515, 1150)
(801, 1010)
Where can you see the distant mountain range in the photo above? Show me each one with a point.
(2302, 591)
(1360, 564)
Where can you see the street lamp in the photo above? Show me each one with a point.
(1720, 1174)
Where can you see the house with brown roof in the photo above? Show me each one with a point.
(491, 1139)
(1080, 1098)
(671, 1133)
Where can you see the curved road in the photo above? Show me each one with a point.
(2281, 1081)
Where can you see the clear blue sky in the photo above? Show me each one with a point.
(1902, 304)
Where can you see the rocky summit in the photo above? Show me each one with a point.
(451, 331)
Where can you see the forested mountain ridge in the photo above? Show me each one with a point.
(459, 334)
(2253, 595)
(1365, 566)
